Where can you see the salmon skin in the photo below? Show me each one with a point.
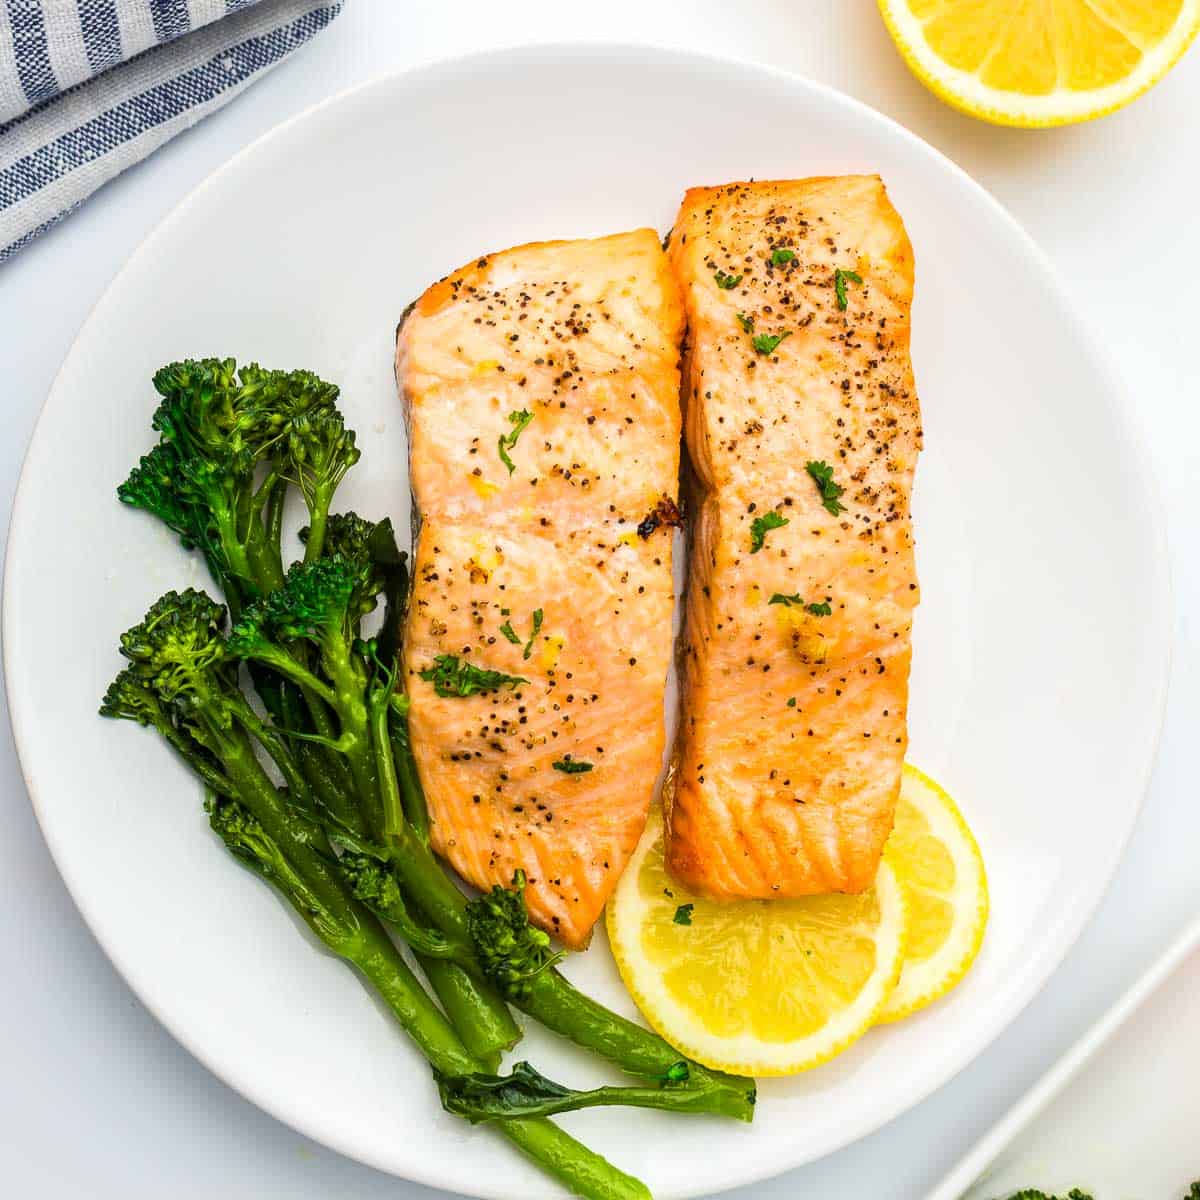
(542, 390)
(803, 429)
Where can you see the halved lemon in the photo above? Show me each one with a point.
(940, 868)
(756, 987)
(1040, 62)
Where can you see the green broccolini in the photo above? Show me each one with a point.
(344, 836)
(180, 663)
(511, 951)
(229, 441)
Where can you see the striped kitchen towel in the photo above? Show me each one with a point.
(89, 87)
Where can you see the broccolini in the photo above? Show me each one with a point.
(320, 795)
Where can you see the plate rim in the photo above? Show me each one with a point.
(1158, 592)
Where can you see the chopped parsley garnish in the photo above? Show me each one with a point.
(519, 421)
(822, 476)
(511, 634)
(537, 624)
(839, 285)
(683, 914)
(817, 609)
(759, 527)
(571, 766)
(791, 702)
(451, 676)
(678, 1072)
(747, 323)
(727, 282)
(768, 343)
(781, 258)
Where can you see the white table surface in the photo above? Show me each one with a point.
(97, 1101)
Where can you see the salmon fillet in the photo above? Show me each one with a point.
(803, 582)
(542, 386)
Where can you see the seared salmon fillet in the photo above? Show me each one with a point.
(803, 429)
(542, 389)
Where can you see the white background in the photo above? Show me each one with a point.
(97, 1101)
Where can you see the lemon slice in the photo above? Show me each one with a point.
(1033, 63)
(938, 863)
(756, 987)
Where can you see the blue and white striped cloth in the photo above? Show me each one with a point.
(89, 87)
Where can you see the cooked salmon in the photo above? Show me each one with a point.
(542, 389)
(803, 429)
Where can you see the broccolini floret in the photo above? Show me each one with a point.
(230, 442)
(247, 840)
(374, 883)
(380, 565)
(511, 951)
(131, 698)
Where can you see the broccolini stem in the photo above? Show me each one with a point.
(243, 539)
(317, 704)
(267, 569)
(391, 807)
(348, 690)
(380, 961)
(231, 589)
(322, 721)
(263, 552)
(479, 1016)
(235, 554)
(261, 527)
(273, 519)
(476, 1010)
(554, 1001)
(212, 778)
(287, 664)
(325, 771)
(303, 844)
(314, 544)
(411, 792)
(432, 891)
(281, 754)
(581, 1170)
(333, 794)
(273, 514)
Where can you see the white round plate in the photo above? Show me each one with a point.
(1041, 644)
